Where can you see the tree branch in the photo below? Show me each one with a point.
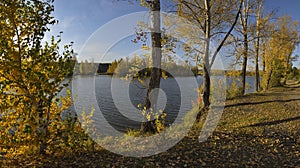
(227, 35)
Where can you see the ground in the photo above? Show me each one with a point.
(256, 130)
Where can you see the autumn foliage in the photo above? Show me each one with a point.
(33, 73)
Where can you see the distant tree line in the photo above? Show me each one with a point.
(139, 65)
(85, 68)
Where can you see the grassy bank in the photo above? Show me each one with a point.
(260, 129)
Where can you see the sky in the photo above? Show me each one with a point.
(99, 22)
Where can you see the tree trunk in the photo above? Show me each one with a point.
(256, 73)
(263, 55)
(244, 65)
(245, 29)
(206, 67)
(257, 66)
(258, 29)
(42, 129)
(206, 87)
(287, 69)
(264, 65)
(149, 126)
(269, 79)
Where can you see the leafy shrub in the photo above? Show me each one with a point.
(233, 90)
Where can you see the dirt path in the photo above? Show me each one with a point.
(294, 91)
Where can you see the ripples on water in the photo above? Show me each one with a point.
(118, 99)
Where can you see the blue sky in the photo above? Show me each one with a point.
(80, 19)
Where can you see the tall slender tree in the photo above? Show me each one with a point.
(216, 19)
(257, 42)
(244, 30)
(260, 33)
(156, 54)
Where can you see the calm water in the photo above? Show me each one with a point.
(118, 99)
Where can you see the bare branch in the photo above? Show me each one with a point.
(227, 35)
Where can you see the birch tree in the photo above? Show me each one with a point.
(216, 19)
(260, 33)
(257, 42)
(156, 54)
(244, 30)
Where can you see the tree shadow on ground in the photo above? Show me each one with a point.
(261, 102)
(260, 94)
(269, 123)
(295, 85)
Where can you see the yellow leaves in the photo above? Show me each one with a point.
(31, 74)
(148, 117)
(86, 119)
(23, 120)
(164, 75)
(139, 105)
(160, 121)
(278, 51)
(158, 117)
(144, 47)
(144, 3)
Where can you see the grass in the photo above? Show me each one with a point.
(256, 130)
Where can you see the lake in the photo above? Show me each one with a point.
(118, 99)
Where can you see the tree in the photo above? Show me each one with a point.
(216, 19)
(156, 57)
(257, 42)
(111, 69)
(289, 33)
(261, 32)
(278, 56)
(32, 73)
(266, 30)
(244, 29)
(156, 54)
(251, 31)
(86, 67)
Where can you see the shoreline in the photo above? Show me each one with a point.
(258, 129)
